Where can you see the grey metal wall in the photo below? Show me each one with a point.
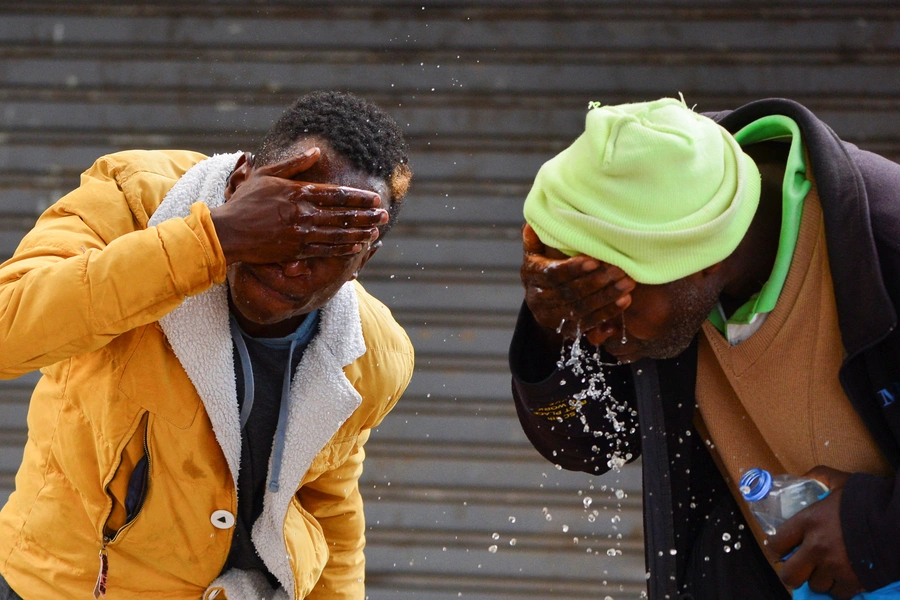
(459, 505)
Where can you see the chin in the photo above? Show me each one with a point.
(670, 351)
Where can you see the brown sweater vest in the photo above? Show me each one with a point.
(774, 401)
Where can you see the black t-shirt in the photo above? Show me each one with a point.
(257, 439)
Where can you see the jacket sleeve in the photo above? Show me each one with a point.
(870, 505)
(335, 502)
(88, 272)
(870, 520)
(557, 414)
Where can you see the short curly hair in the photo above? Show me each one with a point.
(356, 128)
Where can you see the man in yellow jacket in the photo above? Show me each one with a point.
(211, 368)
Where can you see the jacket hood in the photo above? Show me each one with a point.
(866, 313)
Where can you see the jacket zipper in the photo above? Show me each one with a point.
(100, 586)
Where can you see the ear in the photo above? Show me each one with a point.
(713, 268)
(369, 253)
(703, 274)
(242, 169)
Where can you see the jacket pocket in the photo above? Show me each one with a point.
(307, 550)
(154, 379)
(130, 483)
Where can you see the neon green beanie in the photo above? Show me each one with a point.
(652, 187)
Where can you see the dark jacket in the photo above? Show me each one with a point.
(860, 196)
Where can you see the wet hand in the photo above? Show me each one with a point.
(820, 556)
(572, 294)
(272, 217)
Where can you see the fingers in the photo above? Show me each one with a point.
(348, 218)
(820, 556)
(322, 194)
(586, 301)
(573, 295)
(796, 570)
(595, 289)
(789, 537)
(337, 227)
(825, 583)
(546, 272)
(332, 250)
(823, 576)
(596, 310)
(328, 195)
(845, 590)
(820, 581)
(335, 236)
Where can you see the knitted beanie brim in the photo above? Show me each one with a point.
(653, 188)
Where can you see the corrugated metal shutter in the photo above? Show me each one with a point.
(487, 90)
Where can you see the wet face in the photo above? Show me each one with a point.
(271, 300)
(662, 320)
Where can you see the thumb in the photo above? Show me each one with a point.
(832, 478)
(531, 241)
(292, 166)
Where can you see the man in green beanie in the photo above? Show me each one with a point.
(716, 293)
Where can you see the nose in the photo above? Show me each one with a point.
(295, 268)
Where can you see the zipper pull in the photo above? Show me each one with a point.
(100, 586)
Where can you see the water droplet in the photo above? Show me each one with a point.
(727, 549)
(495, 536)
(565, 528)
(512, 542)
(492, 548)
(673, 551)
(726, 536)
(587, 501)
(512, 519)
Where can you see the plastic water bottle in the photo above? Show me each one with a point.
(774, 500)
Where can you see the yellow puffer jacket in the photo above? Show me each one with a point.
(129, 325)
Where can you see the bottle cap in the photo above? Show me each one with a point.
(755, 484)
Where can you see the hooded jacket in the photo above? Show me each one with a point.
(860, 197)
(127, 318)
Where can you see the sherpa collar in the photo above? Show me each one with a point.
(321, 397)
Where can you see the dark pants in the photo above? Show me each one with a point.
(6, 592)
(739, 574)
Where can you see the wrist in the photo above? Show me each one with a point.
(224, 233)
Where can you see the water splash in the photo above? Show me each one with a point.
(587, 366)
